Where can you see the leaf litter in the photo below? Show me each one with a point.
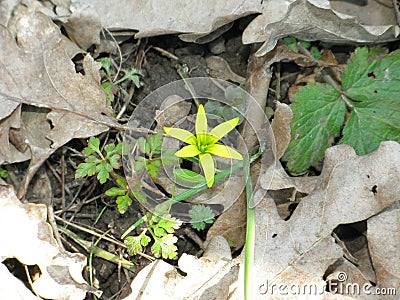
(350, 189)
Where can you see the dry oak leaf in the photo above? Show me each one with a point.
(35, 70)
(26, 236)
(350, 189)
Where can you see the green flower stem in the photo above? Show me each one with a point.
(250, 234)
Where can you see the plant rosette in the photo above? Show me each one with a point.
(204, 143)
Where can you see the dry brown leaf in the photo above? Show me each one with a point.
(384, 243)
(351, 188)
(37, 71)
(208, 277)
(331, 21)
(152, 17)
(281, 127)
(317, 20)
(26, 236)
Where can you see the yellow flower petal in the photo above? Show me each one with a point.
(207, 164)
(224, 151)
(222, 129)
(181, 134)
(201, 121)
(188, 151)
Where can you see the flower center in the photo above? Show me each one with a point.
(202, 148)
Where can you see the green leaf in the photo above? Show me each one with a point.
(141, 197)
(200, 215)
(87, 168)
(134, 243)
(169, 158)
(291, 42)
(94, 144)
(372, 84)
(370, 123)
(140, 163)
(319, 113)
(305, 44)
(144, 146)
(315, 52)
(109, 148)
(115, 161)
(133, 75)
(88, 151)
(153, 167)
(213, 107)
(169, 224)
(155, 142)
(114, 191)
(370, 89)
(103, 170)
(122, 183)
(123, 203)
(3, 173)
(165, 247)
(110, 89)
(106, 64)
(145, 240)
(188, 176)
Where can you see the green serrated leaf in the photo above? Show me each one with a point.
(144, 146)
(110, 90)
(319, 113)
(155, 142)
(118, 149)
(103, 172)
(134, 244)
(132, 74)
(188, 176)
(291, 42)
(109, 148)
(370, 89)
(169, 158)
(170, 224)
(370, 123)
(123, 203)
(201, 215)
(94, 144)
(141, 197)
(153, 167)
(122, 183)
(145, 240)
(106, 64)
(305, 44)
(371, 83)
(115, 161)
(165, 247)
(140, 163)
(315, 52)
(88, 151)
(85, 169)
(114, 191)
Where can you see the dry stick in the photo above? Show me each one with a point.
(63, 181)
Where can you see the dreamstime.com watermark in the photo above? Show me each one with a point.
(314, 289)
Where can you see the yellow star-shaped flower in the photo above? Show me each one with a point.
(204, 144)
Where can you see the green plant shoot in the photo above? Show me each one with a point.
(204, 144)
